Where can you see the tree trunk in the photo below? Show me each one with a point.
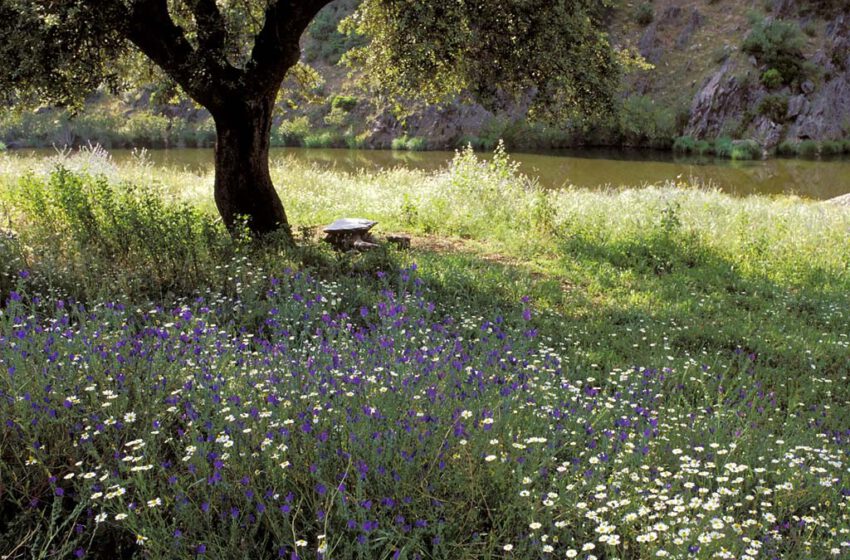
(243, 185)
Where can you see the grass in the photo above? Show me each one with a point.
(662, 368)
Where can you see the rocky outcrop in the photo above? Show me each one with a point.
(723, 98)
(733, 95)
(823, 112)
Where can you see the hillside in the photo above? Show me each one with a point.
(730, 78)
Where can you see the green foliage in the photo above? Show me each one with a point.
(831, 148)
(411, 143)
(746, 150)
(56, 51)
(774, 107)
(324, 139)
(95, 237)
(807, 149)
(772, 78)
(778, 44)
(149, 131)
(643, 122)
(684, 145)
(12, 261)
(291, 132)
(557, 48)
(644, 13)
(788, 148)
(723, 147)
(327, 44)
(344, 102)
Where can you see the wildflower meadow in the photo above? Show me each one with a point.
(170, 391)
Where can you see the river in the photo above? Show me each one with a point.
(591, 169)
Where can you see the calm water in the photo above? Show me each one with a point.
(585, 168)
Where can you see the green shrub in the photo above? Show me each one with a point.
(410, 143)
(11, 262)
(684, 145)
(831, 148)
(96, 237)
(774, 107)
(643, 122)
(772, 79)
(723, 147)
(356, 141)
(778, 44)
(746, 150)
(399, 143)
(788, 148)
(291, 132)
(204, 133)
(145, 130)
(808, 149)
(845, 146)
(2, 147)
(703, 148)
(325, 139)
(343, 102)
(644, 14)
(417, 144)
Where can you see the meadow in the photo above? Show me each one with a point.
(635, 373)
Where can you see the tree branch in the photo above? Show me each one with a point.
(276, 47)
(212, 32)
(209, 80)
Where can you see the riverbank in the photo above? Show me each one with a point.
(640, 126)
(540, 373)
(588, 169)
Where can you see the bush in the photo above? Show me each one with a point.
(723, 147)
(703, 148)
(774, 107)
(807, 148)
(146, 130)
(291, 132)
(96, 237)
(2, 147)
(778, 44)
(831, 148)
(356, 141)
(343, 102)
(646, 123)
(788, 148)
(325, 139)
(772, 79)
(746, 150)
(684, 145)
(644, 14)
(411, 143)
(11, 262)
